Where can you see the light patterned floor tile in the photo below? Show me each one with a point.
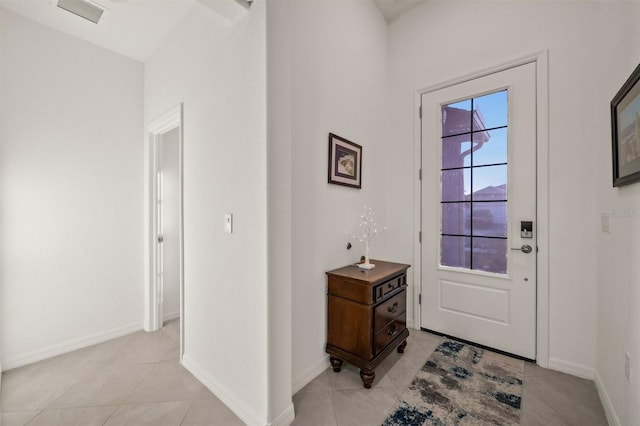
(537, 413)
(150, 414)
(575, 399)
(91, 416)
(168, 381)
(19, 418)
(357, 407)
(314, 409)
(30, 396)
(210, 412)
(104, 388)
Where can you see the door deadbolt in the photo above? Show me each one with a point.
(526, 229)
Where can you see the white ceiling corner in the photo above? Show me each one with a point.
(392, 9)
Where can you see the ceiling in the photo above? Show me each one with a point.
(135, 28)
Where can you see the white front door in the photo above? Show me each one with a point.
(479, 211)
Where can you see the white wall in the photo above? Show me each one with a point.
(618, 251)
(218, 70)
(589, 54)
(71, 211)
(336, 67)
(279, 211)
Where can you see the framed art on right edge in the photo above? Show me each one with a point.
(625, 131)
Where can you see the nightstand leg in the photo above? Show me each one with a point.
(367, 376)
(401, 347)
(336, 364)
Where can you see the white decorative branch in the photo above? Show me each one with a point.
(368, 230)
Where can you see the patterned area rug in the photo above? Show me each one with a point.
(462, 385)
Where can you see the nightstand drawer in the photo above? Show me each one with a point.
(381, 290)
(389, 332)
(387, 311)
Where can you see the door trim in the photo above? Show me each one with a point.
(541, 59)
(152, 316)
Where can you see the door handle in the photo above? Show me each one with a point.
(526, 248)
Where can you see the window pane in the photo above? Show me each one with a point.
(490, 219)
(493, 149)
(453, 149)
(455, 218)
(490, 111)
(456, 184)
(490, 183)
(474, 192)
(490, 255)
(454, 251)
(456, 118)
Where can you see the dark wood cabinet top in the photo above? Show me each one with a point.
(382, 271)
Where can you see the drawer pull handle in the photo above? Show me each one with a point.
(393, 330)
(393, 309)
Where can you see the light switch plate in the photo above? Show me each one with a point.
(228, 223)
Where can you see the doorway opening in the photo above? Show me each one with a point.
(164, 288)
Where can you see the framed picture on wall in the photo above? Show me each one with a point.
(625, 130)
(345, 162)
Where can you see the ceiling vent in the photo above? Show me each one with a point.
(83, 9)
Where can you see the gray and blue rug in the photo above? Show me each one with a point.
(462, 385)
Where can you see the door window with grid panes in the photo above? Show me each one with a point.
(473, 177)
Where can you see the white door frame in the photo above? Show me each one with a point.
(153, 316)
(541, 59)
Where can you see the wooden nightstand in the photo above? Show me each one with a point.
(366, 316)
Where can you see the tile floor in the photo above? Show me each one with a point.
(133, 380)
(137, 380)
(338, 399)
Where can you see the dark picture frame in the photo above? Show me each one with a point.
(625, 131)
(345, 162)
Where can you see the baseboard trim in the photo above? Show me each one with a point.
(173, 315)
(285, 418)
(410, 323)
(228, 398)
(577, 370)
(609, 411)
(304, 378)
(71, 345)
